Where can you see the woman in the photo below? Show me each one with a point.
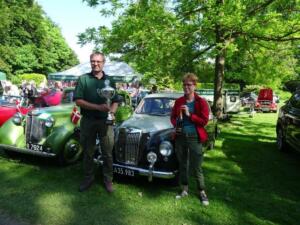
(189, 115)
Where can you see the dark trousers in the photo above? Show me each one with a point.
(190, 156)
(89, 128)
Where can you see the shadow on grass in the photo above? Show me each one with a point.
(39, 192)
(40, 185)
(252, 178)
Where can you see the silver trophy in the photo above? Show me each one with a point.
(107, 92)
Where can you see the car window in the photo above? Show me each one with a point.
(295, 101)
(157, 106)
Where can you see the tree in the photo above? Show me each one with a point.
(206, 29)
(228, 23)
(30, 41)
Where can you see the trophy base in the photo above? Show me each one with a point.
(110, 122)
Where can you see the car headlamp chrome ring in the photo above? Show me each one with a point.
(165, 148)
(49, 122)
(17, 119)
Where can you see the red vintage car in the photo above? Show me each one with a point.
(266, 101)
(10, 105)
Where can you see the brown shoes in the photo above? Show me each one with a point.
(86, 184)
(108, 186)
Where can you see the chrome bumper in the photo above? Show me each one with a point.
(26, 151)
(149, 173)
(145, 172)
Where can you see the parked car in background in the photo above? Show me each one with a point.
(288, 124)
(10, 105)
(231, 99)
(232, 102)
(144, 144)
(248, 99)
(266, 101)
(51, 131)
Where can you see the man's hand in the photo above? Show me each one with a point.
(103, 108)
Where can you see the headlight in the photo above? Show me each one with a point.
(17, 119)
(166, 148)
(151, 157)
(49, 122)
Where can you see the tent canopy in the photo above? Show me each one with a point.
(119, 71)
(2, 76)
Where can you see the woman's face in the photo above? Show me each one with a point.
(188, 87)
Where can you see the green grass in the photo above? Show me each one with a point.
(248, 182)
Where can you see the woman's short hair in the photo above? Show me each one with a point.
(190, 77)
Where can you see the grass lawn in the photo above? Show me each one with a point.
(248, 182)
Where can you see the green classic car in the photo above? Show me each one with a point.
(52, 131)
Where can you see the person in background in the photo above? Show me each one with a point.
(94, 111)
(153, 89)
(54, 95)
(189, 115)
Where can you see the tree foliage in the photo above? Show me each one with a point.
(245, 41)
(30, 41)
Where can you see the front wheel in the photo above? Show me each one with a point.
(11, 154)
(71, 151)
(282, 145)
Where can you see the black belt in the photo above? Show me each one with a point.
(94, 117)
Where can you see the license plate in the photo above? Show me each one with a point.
(265, 109)
(34, 147)
(124, 171)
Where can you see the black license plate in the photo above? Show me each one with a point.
(35, 147)
(124, 171)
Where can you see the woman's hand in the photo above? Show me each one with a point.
(185, 110)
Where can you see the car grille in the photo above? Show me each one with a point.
(127, 147)
(265, 102)
(35, 129)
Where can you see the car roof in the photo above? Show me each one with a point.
(165, 95)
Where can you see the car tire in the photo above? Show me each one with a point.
(282, 145)
(71, 152)
(11, 154)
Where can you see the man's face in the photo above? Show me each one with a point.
(188, 87)
(97, 63)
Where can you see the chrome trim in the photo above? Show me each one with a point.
(27, 151)
(128, 145)
(148, 173)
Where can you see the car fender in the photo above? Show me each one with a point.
(59, 136)
(11, 134)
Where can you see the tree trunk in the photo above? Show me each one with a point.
(219, 68)
(218, 84)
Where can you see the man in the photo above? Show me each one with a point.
(191, 113)
(94, 111)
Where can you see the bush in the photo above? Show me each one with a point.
(36, 77)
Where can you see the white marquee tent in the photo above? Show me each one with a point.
(120, 72)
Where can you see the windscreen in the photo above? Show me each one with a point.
(155, 106)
